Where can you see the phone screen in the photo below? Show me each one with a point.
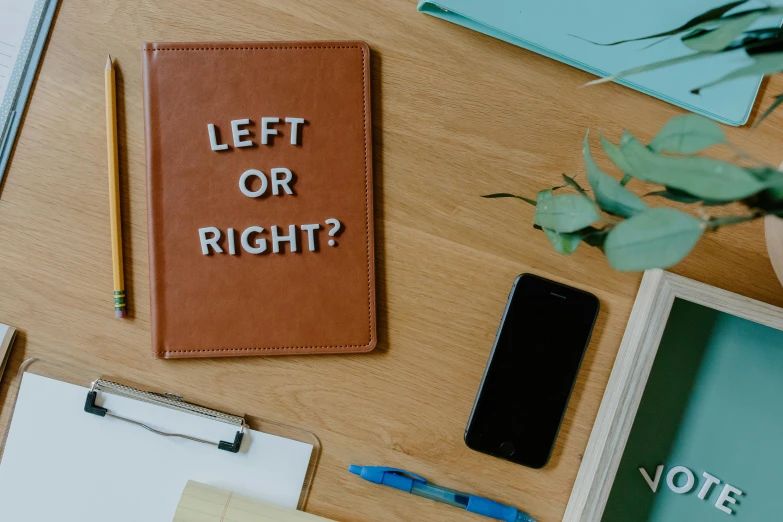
(533, 367)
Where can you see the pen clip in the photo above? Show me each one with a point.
(397, 471)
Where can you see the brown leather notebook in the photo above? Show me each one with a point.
(259, 195)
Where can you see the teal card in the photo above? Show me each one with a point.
(714, 404)
(558, 29)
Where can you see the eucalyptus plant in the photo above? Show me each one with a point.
(635, 235)
(724, 29)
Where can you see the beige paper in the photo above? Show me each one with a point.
(203, 503)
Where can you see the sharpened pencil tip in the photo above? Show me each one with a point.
(108, 62)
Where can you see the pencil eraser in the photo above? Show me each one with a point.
(119, 314)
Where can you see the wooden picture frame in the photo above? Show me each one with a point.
(630, 374)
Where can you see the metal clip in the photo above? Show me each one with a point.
(167, 400)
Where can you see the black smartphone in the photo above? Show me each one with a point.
(531, 372)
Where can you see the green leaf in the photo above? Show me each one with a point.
(565, 213)
(651, 67)
(705, 178)
(542, 196)
(680, 196)
(763, 64)
(609, 194)
(770, 110)
(765, 32)
(594, 237)
(710, 203)
(768, 174)
(505, 195)
(712, 14)
(699, 31)
(656, 238)
(563, 243)
(754, 46)
(673, 194)
(718, 38)
(770, 199)
(773, 179)
(573, 183)
(567, 243)
(614, 154)
(776, 193)
(688, 134)
(758, 41)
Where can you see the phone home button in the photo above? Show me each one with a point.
(507, 449)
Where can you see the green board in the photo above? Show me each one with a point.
(713, 403)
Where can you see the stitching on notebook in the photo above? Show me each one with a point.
(272, 348)
(365, 90)
(366, 199)
(225, 508)
(153, 49)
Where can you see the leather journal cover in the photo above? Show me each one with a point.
(259, 196)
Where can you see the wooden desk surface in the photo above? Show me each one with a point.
(457, 114)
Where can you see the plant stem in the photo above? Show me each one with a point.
(715, 223)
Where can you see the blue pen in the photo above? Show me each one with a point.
(407, 481)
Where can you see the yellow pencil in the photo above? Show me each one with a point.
(114, 190)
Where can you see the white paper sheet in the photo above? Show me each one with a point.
(14, 18)
(63, 464)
